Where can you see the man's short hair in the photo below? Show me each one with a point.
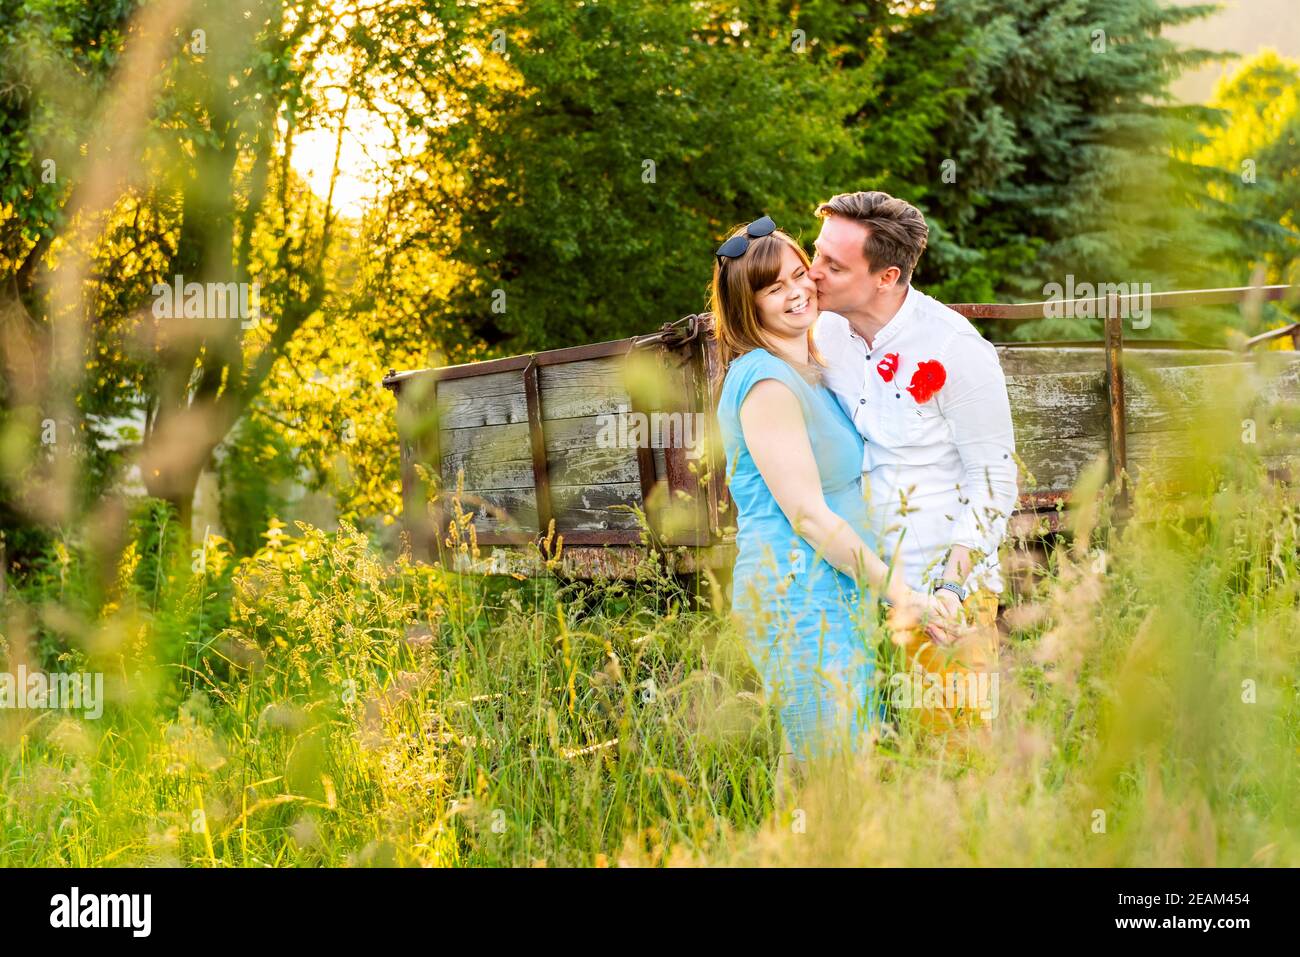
(896, 230)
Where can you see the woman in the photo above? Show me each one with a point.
(794, 465)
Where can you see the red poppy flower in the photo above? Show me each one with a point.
(888, 366)
(928, 379)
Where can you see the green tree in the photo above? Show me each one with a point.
(1257, 147)
(57, 58)
(178, 127)
(1040, 139)
(585, 160)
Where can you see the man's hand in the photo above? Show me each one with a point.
(947, 618)
(914, 610)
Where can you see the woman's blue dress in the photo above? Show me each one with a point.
(805, 622)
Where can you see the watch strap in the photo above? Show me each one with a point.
(953, 587)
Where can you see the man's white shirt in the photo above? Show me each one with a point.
(939, 467)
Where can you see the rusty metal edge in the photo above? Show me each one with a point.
(435, 456)
(710, 373)
(645, 457)
(1272, 334)
(1026, 311)
(677, 472)
(613, 536)
(645, 467)
(1117, 419)
(537, 441)
(551, 357)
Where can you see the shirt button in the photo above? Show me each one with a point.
(864, 402)
(898, 395)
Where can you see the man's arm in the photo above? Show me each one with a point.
(975, 403)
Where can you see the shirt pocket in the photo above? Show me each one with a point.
(904, 422)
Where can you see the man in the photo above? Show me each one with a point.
(927, 392)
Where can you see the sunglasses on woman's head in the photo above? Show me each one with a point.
(737, 244)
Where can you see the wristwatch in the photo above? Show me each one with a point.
(953, 586)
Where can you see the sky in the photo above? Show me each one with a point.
(313, 159)
(1243, 26)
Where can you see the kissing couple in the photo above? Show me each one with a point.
(871, 461)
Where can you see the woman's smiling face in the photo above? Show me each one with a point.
(787, 306)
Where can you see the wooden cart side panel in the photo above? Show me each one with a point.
(709, 377)
(484, 432)
(487, 444)
(677, 501)
(1063, 400)
(474, 401)
(418, 444)
(1061, 418)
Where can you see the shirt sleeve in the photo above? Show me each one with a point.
(975, 404)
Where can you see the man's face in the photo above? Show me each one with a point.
(845, 283)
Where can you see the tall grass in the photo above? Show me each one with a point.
(320, 703)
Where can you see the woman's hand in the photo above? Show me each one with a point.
(908, 609)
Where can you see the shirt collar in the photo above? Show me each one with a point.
(896, 325)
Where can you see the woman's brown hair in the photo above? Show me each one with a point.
(735, 281)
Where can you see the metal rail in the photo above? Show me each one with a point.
(1099, 306)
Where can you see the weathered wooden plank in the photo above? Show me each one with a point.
(1171, 398)
(589, 387)
(578, 459)
(480, 472)
(582, 465)
(584, 508)
(499, 456)
(1018, 360)
(1053, 464)
(1056, 463)
(1073, 404)
(496, 510)
(570, 390)
(1060, 404)
(501, 441)
(491, 456)
(492, 399)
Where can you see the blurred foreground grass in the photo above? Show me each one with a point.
(320, 704)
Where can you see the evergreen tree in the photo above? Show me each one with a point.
(1040, 139)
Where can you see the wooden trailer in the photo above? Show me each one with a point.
(578, 460)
